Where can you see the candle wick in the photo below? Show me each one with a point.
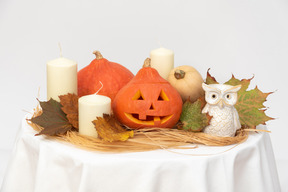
(59, 44)
(100, 88)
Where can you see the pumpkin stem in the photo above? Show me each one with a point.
(98, 55)
(147, 62)
(179, 74)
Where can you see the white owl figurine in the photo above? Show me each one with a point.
(220, 100)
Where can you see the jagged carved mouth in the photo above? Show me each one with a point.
(150, 120)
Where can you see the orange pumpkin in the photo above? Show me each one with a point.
(112, 75)
(147, 100)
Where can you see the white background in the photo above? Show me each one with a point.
(244, 37)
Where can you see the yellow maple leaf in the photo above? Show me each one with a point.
(109, 129)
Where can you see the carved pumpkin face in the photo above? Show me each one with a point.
(148, 103)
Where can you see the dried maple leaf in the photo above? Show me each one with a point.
(109, 129)
(210, 79)
(192, 118)
(249, 105)
(244, 83)
(69, 104)
(53, 119)
(251, 109)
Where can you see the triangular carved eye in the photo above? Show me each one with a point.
(163, 96)
(138, 96)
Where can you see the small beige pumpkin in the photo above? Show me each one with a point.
(187, 81)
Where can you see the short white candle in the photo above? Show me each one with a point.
(61, 77)
(90, 107)
(163, 61)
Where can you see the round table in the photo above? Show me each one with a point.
(42, 165)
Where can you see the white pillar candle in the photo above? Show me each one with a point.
(163, 61)
(61, 77)
(90, 107)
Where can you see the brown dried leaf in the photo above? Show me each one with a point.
(109, 129)
(53, 119)
(69, 104)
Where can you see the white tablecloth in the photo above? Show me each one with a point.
(43, 165)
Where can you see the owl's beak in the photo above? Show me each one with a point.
(221, 104)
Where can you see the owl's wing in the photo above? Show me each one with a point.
(237, 123)
(205, 109)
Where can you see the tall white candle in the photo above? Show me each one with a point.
(163, 61)
(90, 107)
(61, 77)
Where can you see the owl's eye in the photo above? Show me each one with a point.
(214, 96)
(228, 96)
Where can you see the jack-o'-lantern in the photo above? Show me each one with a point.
(147, 100)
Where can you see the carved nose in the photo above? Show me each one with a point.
(221, 104)
(151, 107)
